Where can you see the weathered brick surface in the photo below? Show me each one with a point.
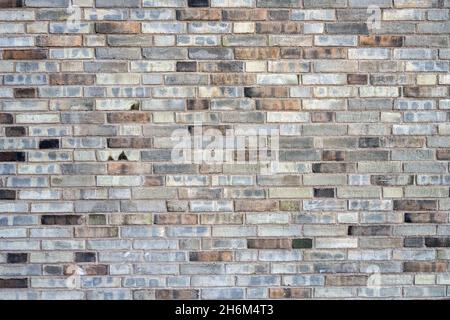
(93, 205)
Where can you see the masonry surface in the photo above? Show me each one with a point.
(93, 207)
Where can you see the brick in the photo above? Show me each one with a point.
(25, 54)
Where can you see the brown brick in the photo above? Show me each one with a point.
(25, 92)
(25, 54)
(278, 105)
(72, 79)
(198, 104)
(357, 78)
(198, 14)
(344, 280)
(96, 232)
(244, 15)
(331, 155)
(129, 168)
(206, 256)
(266, 92)
(443, 154)
(256, 53)
(176, 294)
(134, 143)
(15, 131)
(232, 79)
(381, 41)
(257, 206)
(13, 283)
(63, 220)
(183, 218)
(424, 266)
(128, 117)
(118, 27)
(325, 53)
(59, 41)
(415, 205)
(269, 244)
(289, 293)
(322, 117)
(6, 118)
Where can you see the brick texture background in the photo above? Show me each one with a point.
(91, 206)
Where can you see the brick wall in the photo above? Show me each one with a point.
(93, 205)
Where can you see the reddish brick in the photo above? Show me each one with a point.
(176, 218)
(118, 27)
(211, 256)
(256, 53)
(357, 78)
(278, 105)
(424, 266)
(289, 293)
(59, 41)
(176, 294)
(325, 53)
(25, 54)
(381, 41)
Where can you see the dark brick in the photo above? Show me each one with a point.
(14, 283)
(198, 3)
(443, 154)
(333, 168)
(344, 280)
(11, 3)
(426, 217)
(291, 53)
(278, 15)
(302, 243)
(369, 230)
(25, 92)
(49, 144)
(17, 258)
(346, 28)
(85, 257)
(323, 192)
(199, 104)
(186, 66)
(15, 131)
(25, 54)
(9, 156)
(392, 180)
(7, 194)
(357, 79)
(6, 118)
(117, 27)
(62, 220)
(369, 142)
(415, 205)
(437, 242)
(53, 270)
